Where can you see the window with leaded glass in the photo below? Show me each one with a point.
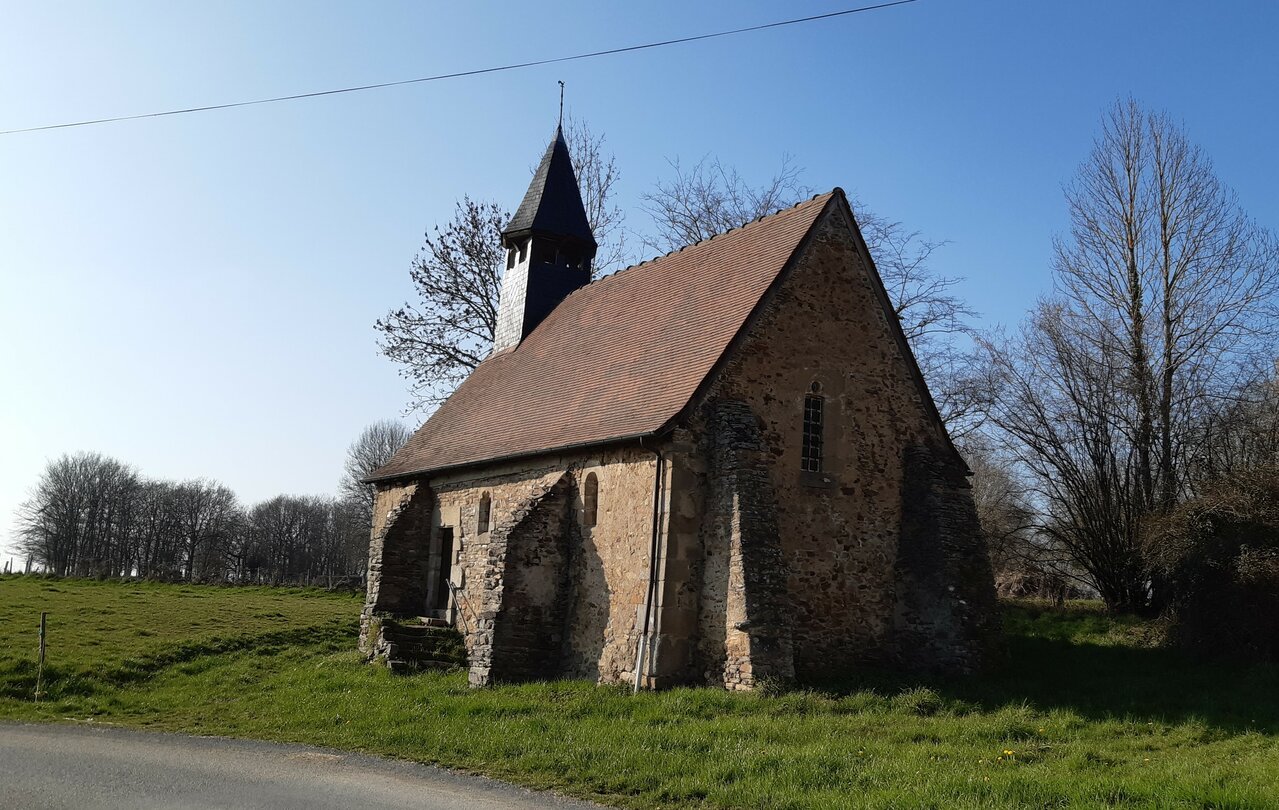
(812, 457)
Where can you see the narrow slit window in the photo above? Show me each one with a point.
(590, 500)
(486, 509)
(813, 419)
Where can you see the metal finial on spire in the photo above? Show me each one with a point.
(561, 104)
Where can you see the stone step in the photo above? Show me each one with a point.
(409, 651)
(422, 646)
(399, 665)
(417, 630)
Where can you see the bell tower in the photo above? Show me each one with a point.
(549, 248)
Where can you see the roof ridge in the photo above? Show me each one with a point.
(681, 248)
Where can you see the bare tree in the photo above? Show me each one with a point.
(457, 276)
(156, 531)
(76, 521)
(1239, 433)
(206, 514)
(1059, 398)
(597, 174)
(91, 515)
(1166, 291)
(1003, 507)
(372, 448)
(710, 198)
(1162, 261)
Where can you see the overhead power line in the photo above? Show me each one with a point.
(460, 74)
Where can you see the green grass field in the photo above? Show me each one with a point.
(1084, 713)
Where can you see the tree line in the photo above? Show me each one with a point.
(93, 515)
(1142, 380)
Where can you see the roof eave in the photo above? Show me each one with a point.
(509, 237)
(632, 437)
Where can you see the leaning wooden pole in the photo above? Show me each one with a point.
(44, 619)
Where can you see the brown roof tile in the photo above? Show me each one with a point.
(618, 358)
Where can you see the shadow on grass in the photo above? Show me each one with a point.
(18, 676)
(1048, 665)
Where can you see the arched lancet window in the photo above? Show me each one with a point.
(482, 520)
(590, 500)
(811, 461)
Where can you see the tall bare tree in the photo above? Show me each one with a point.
(1165, 262)
(1165, 291)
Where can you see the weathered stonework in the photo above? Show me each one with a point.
(857, 544)
(759, 570)
(945, 618)
(745, 623)
(539, 594)
(397, 557)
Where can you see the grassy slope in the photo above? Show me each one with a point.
(1091, 716)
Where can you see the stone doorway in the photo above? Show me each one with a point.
(439, 592)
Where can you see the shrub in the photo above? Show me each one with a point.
(1218, 557)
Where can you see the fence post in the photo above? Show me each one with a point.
(44, 616)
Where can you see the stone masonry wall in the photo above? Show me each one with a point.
(945, 616)
(397, 573)
(526, 589)
(745, 623)
(839, 530)
(602, 572)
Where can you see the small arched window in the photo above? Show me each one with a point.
(811, 461)
(482, 520)
(590, 500)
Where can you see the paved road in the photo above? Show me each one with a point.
(91, 767)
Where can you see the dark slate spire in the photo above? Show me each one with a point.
(549, 248)
(552, 205)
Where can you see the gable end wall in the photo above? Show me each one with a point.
(839, 531)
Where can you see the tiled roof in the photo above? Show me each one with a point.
(617, 358)
(553, 202)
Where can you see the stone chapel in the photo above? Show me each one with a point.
(720, 466)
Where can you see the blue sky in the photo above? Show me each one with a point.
(195, 294)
